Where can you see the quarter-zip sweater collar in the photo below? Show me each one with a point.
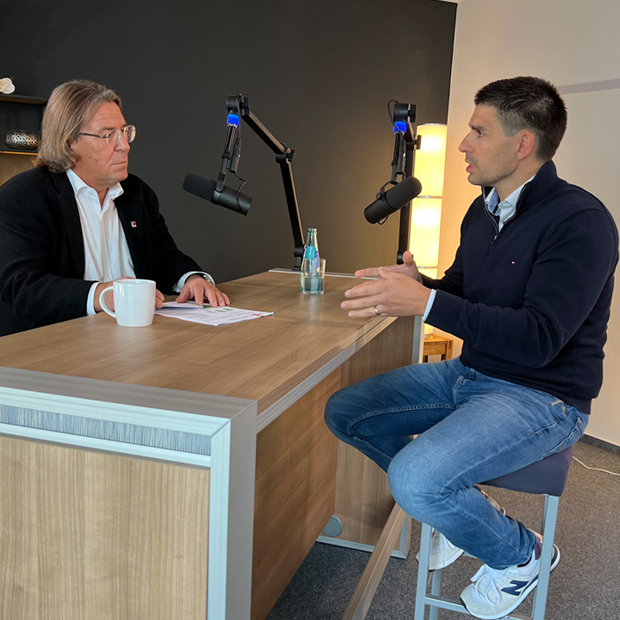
(502, 211)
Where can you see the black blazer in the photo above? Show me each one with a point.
(42, 248)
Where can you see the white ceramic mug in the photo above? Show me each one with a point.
(134, 302)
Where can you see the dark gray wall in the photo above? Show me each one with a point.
(319, 75)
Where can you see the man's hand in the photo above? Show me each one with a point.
(408, 268)
(196, 287)
(109, 297)
(395, 294)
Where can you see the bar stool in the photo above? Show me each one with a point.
(546, 477)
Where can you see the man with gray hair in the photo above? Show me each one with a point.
(79, 220)
(529, 293)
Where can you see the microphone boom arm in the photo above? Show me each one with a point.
(404, 148)
(231, 154)
(284, 156)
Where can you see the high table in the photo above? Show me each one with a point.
(180, 471)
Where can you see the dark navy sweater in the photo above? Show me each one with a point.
(532, 302)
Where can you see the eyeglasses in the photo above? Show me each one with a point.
(114, 137)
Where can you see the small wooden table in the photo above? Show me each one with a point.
(437, 345)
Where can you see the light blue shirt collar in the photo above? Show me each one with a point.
(507, 208)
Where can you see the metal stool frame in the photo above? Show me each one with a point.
(546, 477)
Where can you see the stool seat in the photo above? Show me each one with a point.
(545, 477)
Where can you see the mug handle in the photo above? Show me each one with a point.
(102, 301)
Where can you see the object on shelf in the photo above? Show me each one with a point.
(22, 140)
(6, 86)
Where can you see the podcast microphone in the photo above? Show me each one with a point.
(394, 199)
(206, 188)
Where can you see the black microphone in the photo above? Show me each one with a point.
(206, 188)
(394, 199)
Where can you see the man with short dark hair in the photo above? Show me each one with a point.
(80, 220)
(529, 293)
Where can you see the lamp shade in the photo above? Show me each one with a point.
(430, 158)
(424, 237)
(430, 161)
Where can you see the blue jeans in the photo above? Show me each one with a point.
(471, 428)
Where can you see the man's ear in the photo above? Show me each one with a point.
(73, 157)
(527, 144)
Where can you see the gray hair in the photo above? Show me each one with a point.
(71, 105)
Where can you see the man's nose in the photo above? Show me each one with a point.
(463, 146)
(123, 145)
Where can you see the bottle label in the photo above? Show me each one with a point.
(310, 252)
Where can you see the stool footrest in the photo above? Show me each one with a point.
(452, 605)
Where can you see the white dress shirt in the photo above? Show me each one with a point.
(106, 253)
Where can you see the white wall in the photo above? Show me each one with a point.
(568, 42)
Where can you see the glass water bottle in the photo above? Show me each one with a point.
(311, 277)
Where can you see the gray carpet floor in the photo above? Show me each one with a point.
(584, 586)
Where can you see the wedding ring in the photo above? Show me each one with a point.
(376, 311)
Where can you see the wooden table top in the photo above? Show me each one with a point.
(260, 359)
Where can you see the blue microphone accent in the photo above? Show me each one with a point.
(233, 119)
(400, 126)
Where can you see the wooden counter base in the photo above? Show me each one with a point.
(363, 497)
(153, 518)
(295, 492)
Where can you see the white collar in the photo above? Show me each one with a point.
(78, 185)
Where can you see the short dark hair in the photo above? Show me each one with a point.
(528, 103)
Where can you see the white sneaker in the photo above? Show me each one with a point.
(495, 593)
(443, 552)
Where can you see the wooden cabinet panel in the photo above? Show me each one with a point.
(58, 504)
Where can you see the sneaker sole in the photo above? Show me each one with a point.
(555, 560)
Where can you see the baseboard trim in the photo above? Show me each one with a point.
(603, 445)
